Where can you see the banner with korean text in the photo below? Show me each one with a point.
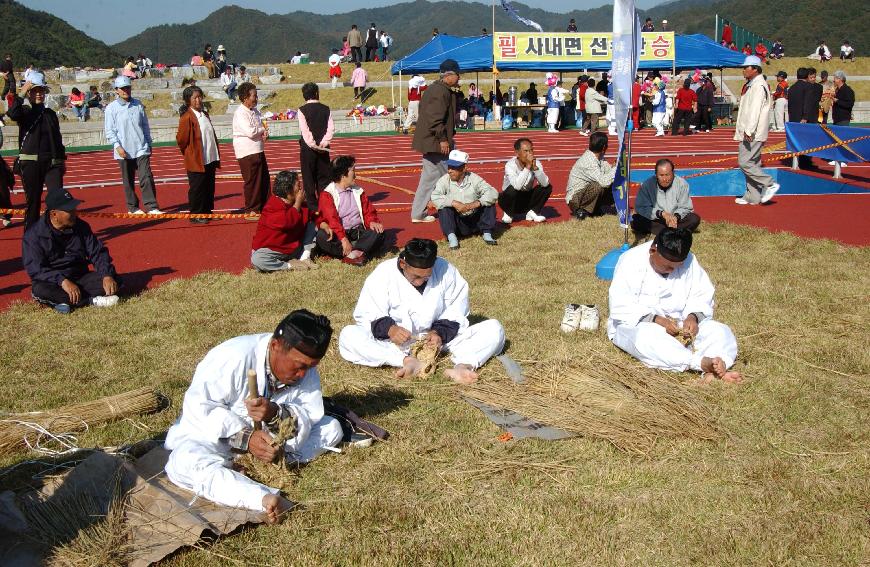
(551, 51)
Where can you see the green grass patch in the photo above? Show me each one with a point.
(790, 484)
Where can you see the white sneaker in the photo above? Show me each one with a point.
(742, 201)
(427, 218)
(507, 219)
(155, 212)
(104, 301)
(571, 318)
(534, 217)
(589, 317)
(584, 133)
(137, 212)
(832, 162)
(769, 193)
(842, 163)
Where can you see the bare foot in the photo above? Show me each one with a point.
(410, 368)
(732, 377)
(275, 508)
(716, 367)
(462, 374)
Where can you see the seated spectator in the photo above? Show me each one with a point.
(572, 26)
(94, 99)
(345, 49)
(663, 201)
(76, 101)
(56, 252)
(590, 179)
(847, 52)
(196, 60)
(220, 61)
(130, 69)
(285, 234)
(350, 228)
(242, 76)
(761, 51)
(228, 82)
(747, 49)
(465, 202)
(823, 52)
(526, 187)
(296, 59)
(777, 51)
(648, 26)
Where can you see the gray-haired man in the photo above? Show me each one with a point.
(434, 136)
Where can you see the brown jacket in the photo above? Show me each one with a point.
(189, 140)
(354, 38)
(435, 122)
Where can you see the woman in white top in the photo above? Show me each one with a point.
(249, 135)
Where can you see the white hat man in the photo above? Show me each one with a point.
(465, 202)
(753, 122)
(127, 129)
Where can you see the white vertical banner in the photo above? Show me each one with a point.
(626, 52)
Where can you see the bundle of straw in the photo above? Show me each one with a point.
(629, 406)
(277, 474)
(42, 429)
(427, 354)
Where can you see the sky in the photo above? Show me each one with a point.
(112, 21)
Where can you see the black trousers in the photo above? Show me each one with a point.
(90, 283)
(481, 220)
(370, 52)
(517, 203)
(35, 174)
(316, 174)
(704, 118)
(5, 188)
(355, 54)
(681, 116)
(365, 240)
(200, 195)
(643, 225)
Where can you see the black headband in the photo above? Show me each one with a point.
(306, 332)
(674, 244)
(420, 253)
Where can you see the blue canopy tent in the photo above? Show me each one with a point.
(475, 54)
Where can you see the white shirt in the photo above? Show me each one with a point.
(296, 60)
(637, 290)
(522, 178)
(248, 131)
(387, 293)
(847, 49)
(334, 60)
(209, 141)
(227, 79)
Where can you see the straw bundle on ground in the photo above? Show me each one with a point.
(57, 427)
(279, 473)
(621, 403)
(427, 354)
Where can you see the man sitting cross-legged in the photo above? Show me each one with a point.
(57, 250)
(526, 187)
(418, 295)
(588, 192)
(350, 228)
(217, 417)
(465, 202)
(663, 201)
(661, 294)
(285, 235)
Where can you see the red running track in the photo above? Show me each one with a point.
(150, 251)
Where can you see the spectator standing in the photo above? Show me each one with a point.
(41, 153)
(355, 41)
(316, 129)
(847, 52)
(648, 26)
(594, 99)
(127, 129)
(386, 42)
(7, 181)
(844, 100)
(780, 102)
(416, 88)
(659, 101)
(28, 72)
(727, 33)
(249, 137)
(802, 106)
(334, 67)
(228, 82)
(777, 51)
(371, 42)
(7, 71)
(358, 80)
(285, 236)
(686, 103)
(753, 121)
(706, 97)
(198, 143)
(433, 137)
(814, 112)
(572, 26)
(345, 49)
(76, 101)
(827, 99)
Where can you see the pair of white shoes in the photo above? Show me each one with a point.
(577, 316)
(151, 212)
(842, 163)
(531, 216)
(105, 301)
(765, 197)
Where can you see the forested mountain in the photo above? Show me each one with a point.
(47, 41)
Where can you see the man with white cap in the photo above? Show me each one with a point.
(434, 135)
(128, 131)
(661, 310)
(418, 296)
(753, 122)
(465, 202)
(416, 88)
(42, 155)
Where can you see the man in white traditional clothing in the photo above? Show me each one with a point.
(659, 294)
(217, 417)
(418, 296)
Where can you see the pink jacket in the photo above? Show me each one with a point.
(359, 77)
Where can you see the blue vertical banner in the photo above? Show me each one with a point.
(626, 52)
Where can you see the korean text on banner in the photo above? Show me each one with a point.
(576, 47)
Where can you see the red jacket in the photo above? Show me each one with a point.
(685, 98)
(416, 93)
(581, 95)
(328, 207)
(281, 227)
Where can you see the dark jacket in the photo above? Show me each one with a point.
(435, 123)
(189, 140)
(800, 102)
(705, 94)
(372, 38)
(40, 136)
(842, 109)
(52, 256)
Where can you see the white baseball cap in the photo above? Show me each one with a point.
(752, 60)
(38, 80)
(457, 158)
(122, 81)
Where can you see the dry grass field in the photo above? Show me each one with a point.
(788, 484)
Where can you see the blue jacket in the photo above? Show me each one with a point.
(551, 99)
(51, 255)
(127, 126)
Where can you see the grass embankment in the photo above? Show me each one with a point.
(789, 485)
